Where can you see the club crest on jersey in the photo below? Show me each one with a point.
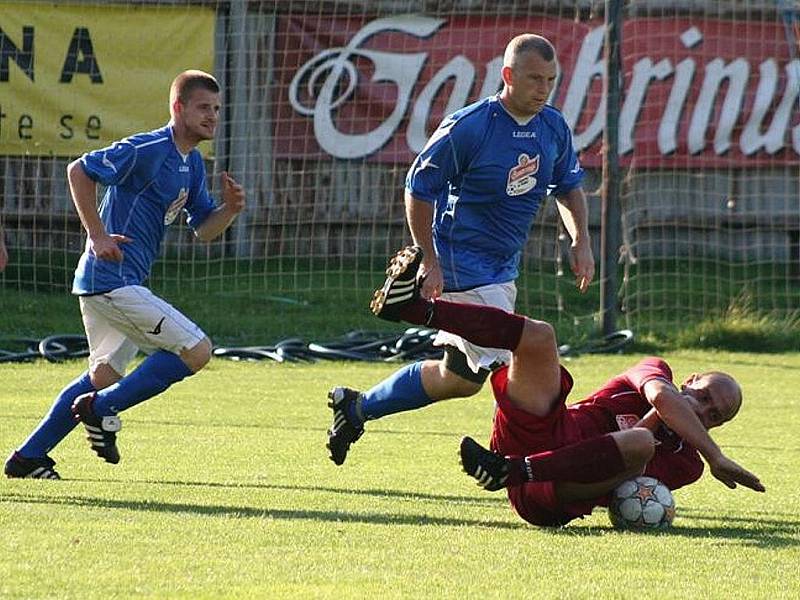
(521, 178)
(627, 421)
(176, 206)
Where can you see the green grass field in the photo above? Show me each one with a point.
(225, 491)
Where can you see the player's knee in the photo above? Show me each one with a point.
(458, 386)
(103, 375)
(468, 388)
(198, 355)
(638, 447)
(535, 336)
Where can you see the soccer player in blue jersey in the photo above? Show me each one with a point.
(150, 178)
(471, 197)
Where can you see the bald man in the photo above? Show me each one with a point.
(559, 461)
(471, 197)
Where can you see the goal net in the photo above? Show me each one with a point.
(327, 103)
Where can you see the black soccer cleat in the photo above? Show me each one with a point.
(100, 431)
(343, 432)
(19, 467)
(490, 469)
(400, 287)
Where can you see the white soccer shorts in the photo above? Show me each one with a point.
(132, 318)
(499, 295)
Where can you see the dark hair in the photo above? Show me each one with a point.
(188, 81)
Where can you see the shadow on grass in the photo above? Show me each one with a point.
(488, 500)
(332, 516)
(767, 532)
(35, 418)
(786, 521)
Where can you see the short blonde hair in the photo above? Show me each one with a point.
(528, 42)
(188, 81)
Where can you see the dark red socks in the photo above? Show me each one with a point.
(482, 325)
(590, 461)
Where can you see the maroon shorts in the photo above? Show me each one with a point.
(519, 433)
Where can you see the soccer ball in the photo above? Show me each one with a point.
(641, 503)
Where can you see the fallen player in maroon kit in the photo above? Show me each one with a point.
(558, 461)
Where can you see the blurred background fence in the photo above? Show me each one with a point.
(326, 104)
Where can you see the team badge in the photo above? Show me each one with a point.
(627, 421)
(521, 178)
(176, 206)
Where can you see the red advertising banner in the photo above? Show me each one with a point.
(698, 93)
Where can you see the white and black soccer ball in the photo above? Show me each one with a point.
(641, 503)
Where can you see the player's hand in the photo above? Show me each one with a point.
(581, 261)
(107, 246)
(730, 473)
(232, 193)
(432, 280)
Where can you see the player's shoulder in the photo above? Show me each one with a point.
(151, 142)
(463, 128)
(655, 361)
(654, 367)
(472, 118)
(477, 110)
(551, 113)
(554, 119)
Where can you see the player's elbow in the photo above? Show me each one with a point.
(664, 400)
(75, 171)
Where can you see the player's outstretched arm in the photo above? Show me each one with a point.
(676, 414)
(233, 202)
(731, 474)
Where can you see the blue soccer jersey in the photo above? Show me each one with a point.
(486, 175)
(148, 183)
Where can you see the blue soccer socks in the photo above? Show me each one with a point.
(156, 373)
(57, 423)
(400, 392)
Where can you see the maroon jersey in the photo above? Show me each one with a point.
(617, 405)
(621, 402)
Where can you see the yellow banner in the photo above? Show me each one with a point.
(75, 78)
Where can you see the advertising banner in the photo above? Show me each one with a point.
(696, 92)
(75, 78)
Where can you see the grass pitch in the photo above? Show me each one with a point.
(225, 491)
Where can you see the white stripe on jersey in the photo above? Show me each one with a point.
(151, 142)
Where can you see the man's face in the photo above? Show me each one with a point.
(713, 397)
(531, 80)
(200, 114)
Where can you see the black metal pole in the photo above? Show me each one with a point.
(610, 217)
